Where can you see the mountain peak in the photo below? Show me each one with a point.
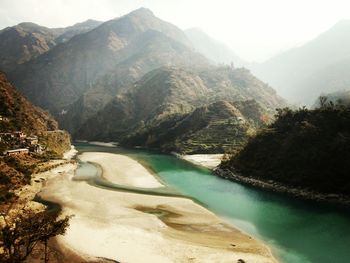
(30, 27)
(89, 22)
(141, 11)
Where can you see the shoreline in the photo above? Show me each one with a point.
(272, 186)
(27, 198)
(163, 229)
(209, 161)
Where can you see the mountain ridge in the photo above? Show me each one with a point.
(294, 73)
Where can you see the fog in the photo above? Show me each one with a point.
(254, 29)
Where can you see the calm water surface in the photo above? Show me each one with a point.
(297, 232)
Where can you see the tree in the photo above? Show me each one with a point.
(323, 101)
(20, 236)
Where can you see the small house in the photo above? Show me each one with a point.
(36, 148)
(20, 135)
(32, 140)
(16, 151)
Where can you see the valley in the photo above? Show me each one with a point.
(185, 151)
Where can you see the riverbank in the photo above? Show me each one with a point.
(273, 186)
(209, 161)
(70, 154)
(130, 227)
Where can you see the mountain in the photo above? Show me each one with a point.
(26, 41)
(167, 95)
(319, 66)
(305, 149)
(65, 34)
(149, 51)
(18, 114)
(115, 53)
(21, 43)
(214, 128)
(216, 51)
(133, 74)
(160, 94)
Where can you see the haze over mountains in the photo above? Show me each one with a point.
(214, 50)
(126, 76)
(319, 66)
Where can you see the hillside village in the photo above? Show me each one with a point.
(20, 143)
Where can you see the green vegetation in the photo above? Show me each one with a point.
(164, 97)
(217, 128)
(302, 148)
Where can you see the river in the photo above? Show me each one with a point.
(297, 231)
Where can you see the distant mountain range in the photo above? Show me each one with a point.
(25, 41)
(319, 66)
(128, 76)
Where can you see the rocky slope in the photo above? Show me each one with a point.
(216, 128)
(26, 41)
(319, 66)
(21, 43)
(150, 50)
(125, 45)
(65, 34)
(19, 114)
(165, 96)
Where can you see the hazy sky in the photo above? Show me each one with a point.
(254, 29)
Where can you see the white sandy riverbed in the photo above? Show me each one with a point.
(120, 169)
(125, 226)
(209, 161)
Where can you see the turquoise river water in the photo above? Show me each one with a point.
(297, 231)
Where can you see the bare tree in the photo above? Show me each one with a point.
(19, 237)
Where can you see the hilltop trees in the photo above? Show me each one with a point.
(303, 148)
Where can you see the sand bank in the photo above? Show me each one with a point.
(209, 161)
(130, 227)
(122, 170)
(68, 155)
(104, 144)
